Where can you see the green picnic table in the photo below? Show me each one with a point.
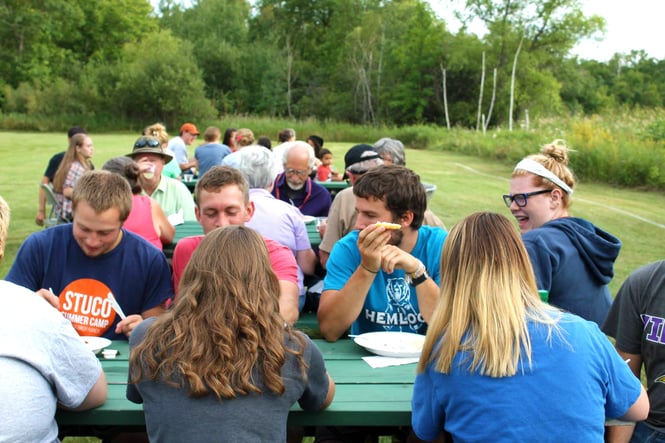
(364, 396)
(335, 187)
(189, 228)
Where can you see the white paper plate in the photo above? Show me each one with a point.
(308, 219)
(95, 344)
(392, 344)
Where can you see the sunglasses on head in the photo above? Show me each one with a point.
(357, 171)
(147, 142)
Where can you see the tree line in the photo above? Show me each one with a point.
(391, 62)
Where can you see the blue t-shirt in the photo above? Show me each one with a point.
(575, 382)
(135, 272)
(210, 155)
(391, 303)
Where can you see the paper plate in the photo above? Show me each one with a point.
(308, 219)
(392, 344)
(95, 344)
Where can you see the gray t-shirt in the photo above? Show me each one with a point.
(42, 361)
(636, 320)
(172, 416)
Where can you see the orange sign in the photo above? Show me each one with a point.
(86, 303)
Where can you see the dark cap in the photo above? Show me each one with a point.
(359, 153)
(149, 145)
(75, 130)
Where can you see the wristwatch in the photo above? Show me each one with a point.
(417, 277)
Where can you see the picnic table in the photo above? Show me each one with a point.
(335, 187)
(189, 228)
(191, 183)
(364, 396)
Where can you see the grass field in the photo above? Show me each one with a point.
(464, 185)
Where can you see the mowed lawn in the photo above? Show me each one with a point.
(464, 185)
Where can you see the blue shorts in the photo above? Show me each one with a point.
(644, 434)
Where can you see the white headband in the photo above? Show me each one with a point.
(534, 167)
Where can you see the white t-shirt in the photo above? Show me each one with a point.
(42, 362)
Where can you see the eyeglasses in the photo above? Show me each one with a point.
(152, 143)
(299, 172)
(521, 199)
(357, 171)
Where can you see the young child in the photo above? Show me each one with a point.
(325, 170)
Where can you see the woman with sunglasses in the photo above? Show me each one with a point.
(572, 258)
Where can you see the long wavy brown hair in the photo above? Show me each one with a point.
(71, 155)
(225, 332)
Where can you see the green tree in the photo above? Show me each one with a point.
(44, 39)
(218, 32)
(154, 79)
(414, 41)
(549, 28)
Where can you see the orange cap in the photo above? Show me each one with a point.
(189, 127)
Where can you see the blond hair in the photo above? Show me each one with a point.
(554, 157)
(71, 155)
(158, 131)
(4, 225)
(488, 295)
(225, 327)
(244, 137)
(103, 190)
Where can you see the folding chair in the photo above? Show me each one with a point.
(56, 209)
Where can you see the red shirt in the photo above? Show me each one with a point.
(283, 262)
(323, 173)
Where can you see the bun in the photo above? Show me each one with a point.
(389, 225)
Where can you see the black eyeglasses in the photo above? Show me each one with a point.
(152, 143)
(521, 199)
(357, 171)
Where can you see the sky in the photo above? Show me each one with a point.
(630, 24)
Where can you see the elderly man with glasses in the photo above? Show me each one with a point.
(294, 185)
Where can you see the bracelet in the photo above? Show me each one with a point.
(368, 269)
(419, 270)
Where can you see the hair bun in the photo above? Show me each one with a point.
(557, 150)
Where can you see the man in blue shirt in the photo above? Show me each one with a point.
(378, 278)
(80, 267)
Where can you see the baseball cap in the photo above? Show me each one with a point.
(359, 153)
(189, 127)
